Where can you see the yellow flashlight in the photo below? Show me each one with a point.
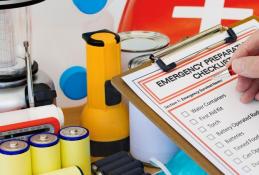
(105, 115)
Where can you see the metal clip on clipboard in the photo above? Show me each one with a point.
(157, 56)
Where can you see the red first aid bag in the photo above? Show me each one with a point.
(182, 18)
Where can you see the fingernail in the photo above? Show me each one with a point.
(238, 66)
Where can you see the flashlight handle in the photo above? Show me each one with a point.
(103, 63)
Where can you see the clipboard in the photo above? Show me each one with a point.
(179, 140)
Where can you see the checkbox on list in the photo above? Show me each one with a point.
(228, 152)
(185, 114)
(246, 169)
(202, 129)
(237, 161)
(193, 121)
(211, 137)
(219, 145)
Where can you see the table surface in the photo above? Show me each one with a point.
(72, 118)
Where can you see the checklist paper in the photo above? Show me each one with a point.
(204, 109)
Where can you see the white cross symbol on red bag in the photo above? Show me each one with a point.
(181, 18)
(212, 13)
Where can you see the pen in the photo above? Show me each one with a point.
(230, 70)
(225, 72)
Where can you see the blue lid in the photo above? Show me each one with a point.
(73, 83)
(43, 140)
(73, 133)
(90, 6)
(14, 147)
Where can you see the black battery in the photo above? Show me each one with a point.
(136, 171)
(104, 170)
(127, 168)
(108, 160)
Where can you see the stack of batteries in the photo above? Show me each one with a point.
(118, 164)
(46, 154)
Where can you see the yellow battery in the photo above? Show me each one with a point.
(66, 171)
(105, 114)
(75, 148)
(15, 158)
(45, 153)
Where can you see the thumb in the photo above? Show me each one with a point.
(246, 66)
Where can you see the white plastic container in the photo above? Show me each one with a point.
(146, 140)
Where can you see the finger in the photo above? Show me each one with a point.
(248, 48)
(243, 83)
(247, 66)
(249, 95)
(257, 96)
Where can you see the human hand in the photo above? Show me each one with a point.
(245, 63)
